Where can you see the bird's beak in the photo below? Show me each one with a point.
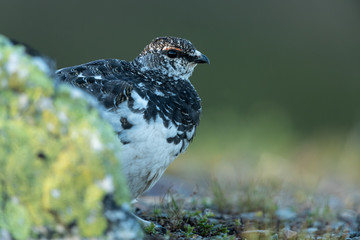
(201, 58)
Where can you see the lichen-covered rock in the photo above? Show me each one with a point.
(58, 159)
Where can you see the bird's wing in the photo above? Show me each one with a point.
(110, 81)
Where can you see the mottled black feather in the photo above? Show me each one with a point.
(111, 82)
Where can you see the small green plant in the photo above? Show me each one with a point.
(258, 197)
(151, 229)
(194, 213)
(189, 231)
(309, 221)
(204, 227)
(209, 213)
(220, 200)
(157, 211)
(222, 229)
(323, 212)
(173, 207)
(207, 202)
(237, 222)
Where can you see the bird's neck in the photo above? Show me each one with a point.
(150, 65)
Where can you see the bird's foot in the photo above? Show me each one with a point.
(149, 225)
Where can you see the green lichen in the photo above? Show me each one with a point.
(55, 152)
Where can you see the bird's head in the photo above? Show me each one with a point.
(171, 56)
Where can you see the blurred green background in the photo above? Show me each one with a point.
(281, 97)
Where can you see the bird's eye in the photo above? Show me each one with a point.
(172, 53)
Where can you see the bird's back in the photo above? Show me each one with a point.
(108, 80)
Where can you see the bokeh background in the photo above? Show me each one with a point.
(281, 97)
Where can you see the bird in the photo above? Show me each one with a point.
(150, 103)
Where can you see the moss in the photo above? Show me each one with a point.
(55, 152)
(16, 220)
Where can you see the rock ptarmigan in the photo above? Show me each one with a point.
(150, 102)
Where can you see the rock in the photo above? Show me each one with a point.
(348, 216)
(285, 214)
(59, 160)
(252, 215)
(288, 234)
(121, 223)
(4, 235)
(312, 230)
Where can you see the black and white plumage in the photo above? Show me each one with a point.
(150, 103)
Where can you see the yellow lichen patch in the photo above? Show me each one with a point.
(52, 122)
(93, 224)
(54, 151)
